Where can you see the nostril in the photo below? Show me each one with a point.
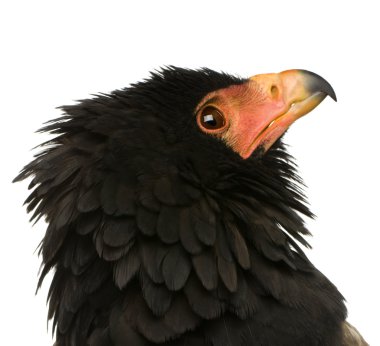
(274, 91)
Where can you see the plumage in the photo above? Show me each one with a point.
(168, 224)
(189, 240)
(204, 223)
(108, 192)
(126, 268)
(188, 319)
(205, 266)
(201, 301)
(88, 200)
(152, 254)
(227, 272)
(176, 267)
(157, 296)
(238, 245)
(146, 221)
(119, 231)
(88, 222)
(175, 217)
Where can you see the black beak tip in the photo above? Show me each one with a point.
(333, 95)
(318, 84)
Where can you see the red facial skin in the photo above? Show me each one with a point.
(259, 111)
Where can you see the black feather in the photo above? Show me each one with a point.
(143, 320)
(205, 267)
(147, 199)
(126, 268)
(157, 296)
(121, 332)
(152, 254)
(187, 233)
(164, 191)
(180, 317)
(201, 301)
(227, 272)
(119, 231)
(146, 221)
(204, 223)
(125, 200)
(238, 245)
(108, 194)
(176, 268)
(88, 200)
(168, 224)
(88, 222)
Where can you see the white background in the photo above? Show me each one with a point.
(53, 53)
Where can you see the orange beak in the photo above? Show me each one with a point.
(285, 97)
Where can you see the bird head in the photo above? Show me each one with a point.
(205, 118)
(256, 113)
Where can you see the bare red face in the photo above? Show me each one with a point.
(256, 113)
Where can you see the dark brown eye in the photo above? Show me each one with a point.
(211, 118)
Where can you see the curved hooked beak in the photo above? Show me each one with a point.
(287, 96)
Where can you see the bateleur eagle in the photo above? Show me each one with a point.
(175, 216)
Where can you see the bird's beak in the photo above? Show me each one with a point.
(286, 97)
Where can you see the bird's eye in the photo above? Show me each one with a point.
(210, 118)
